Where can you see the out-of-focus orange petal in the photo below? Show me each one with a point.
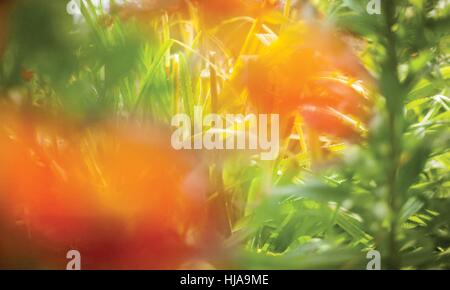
(120, 196)
(328, 122)
(338, 94)
(295, 71)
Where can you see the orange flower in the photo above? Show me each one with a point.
(122, 197)
(298, 73)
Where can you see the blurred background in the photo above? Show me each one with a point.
(88, 89)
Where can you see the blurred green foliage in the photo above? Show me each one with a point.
(390, 193)
(396, 185)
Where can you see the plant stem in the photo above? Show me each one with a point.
(221, 202)
(395, 134)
